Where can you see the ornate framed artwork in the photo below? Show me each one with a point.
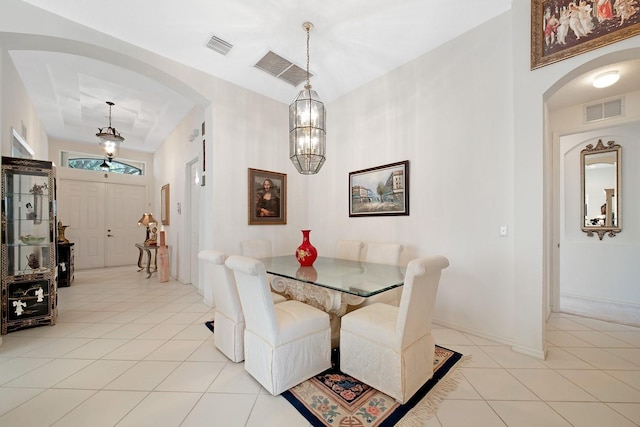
(267, 197)
(164, 204)
(561, 29)
(383, 190)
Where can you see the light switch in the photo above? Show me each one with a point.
(504, 231)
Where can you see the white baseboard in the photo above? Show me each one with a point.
(610, 311)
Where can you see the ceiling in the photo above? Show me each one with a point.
(352, 43)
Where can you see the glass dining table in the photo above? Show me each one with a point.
(332, 284)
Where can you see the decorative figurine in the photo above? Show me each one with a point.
(33, 262)
(61, 229)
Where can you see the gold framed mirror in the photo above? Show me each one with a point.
(600, 169)
(164, 204)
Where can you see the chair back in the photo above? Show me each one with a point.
(384, 253)
(225, 293)
(419, 297)
(348, 249)
(257, 248)
(255, 295)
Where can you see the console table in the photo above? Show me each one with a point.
(152, 264)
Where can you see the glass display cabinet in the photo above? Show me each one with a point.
(28, 244)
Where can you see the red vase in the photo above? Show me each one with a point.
(306, 254)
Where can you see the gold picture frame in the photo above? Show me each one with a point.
(267, 197)
(165, 204)
(561, 29)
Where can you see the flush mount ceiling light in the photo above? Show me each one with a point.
(606, 79)
(307, 136)
(110, 138)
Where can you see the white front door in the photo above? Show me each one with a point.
(125, 206)
(102, 220)
(81, 206)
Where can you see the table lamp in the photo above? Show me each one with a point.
(150, 222)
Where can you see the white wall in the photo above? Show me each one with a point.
(177, 150)
(449, 113)
(533, 168)
(17, 110)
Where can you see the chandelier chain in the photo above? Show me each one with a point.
(308, 85)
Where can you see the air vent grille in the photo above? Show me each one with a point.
(219, 45)
(603, 110)
(281, 68)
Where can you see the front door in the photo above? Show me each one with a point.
(102, 220)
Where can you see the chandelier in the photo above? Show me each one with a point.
(307, 139)
(110, 138)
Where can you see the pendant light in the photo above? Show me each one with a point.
(110, 138)
(307, 137)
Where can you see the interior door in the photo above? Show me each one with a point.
(125, 206)
(81, 206)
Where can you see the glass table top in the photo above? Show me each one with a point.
(354, 277)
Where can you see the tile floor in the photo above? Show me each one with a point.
(128, 351)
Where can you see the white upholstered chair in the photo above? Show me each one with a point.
(348, 249)
(257, 248)
(228, 317)
(391, 348)
(384, 253)
(285, 344)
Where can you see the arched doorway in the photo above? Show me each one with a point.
(565, 122)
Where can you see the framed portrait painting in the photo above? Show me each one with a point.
(267, 197)
(561, 29)
(382, 190)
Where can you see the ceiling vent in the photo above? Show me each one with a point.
(603, 110)
(219, 45)
(281, 68)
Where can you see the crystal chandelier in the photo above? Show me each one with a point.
(110, 138)
(307, 139)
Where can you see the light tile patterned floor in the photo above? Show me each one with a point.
(130, 351)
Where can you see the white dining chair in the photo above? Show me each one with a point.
(391, 348)
(285, 344)
(228, 317)
(256, 248)
(348, 249)
(384, 253)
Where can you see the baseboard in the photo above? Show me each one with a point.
(475, 332)
(610, 311)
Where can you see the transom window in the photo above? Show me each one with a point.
(92, 162)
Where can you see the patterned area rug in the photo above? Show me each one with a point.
(338, 400)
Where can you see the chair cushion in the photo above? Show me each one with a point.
(296, 319)
(383, 316)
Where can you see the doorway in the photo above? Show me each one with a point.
(102, 219)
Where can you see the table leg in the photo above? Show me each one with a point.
(140, 266)
(328, 300)
(148, 262)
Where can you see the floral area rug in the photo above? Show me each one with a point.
(336, 399)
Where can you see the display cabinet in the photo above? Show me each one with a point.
(28, 244)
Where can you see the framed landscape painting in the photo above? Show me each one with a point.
(267, 197)
(382, 190)
(561, 29)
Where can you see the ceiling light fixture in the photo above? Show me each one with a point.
(606, 79)
(105, 166)
(307, 136)
(110, 138)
